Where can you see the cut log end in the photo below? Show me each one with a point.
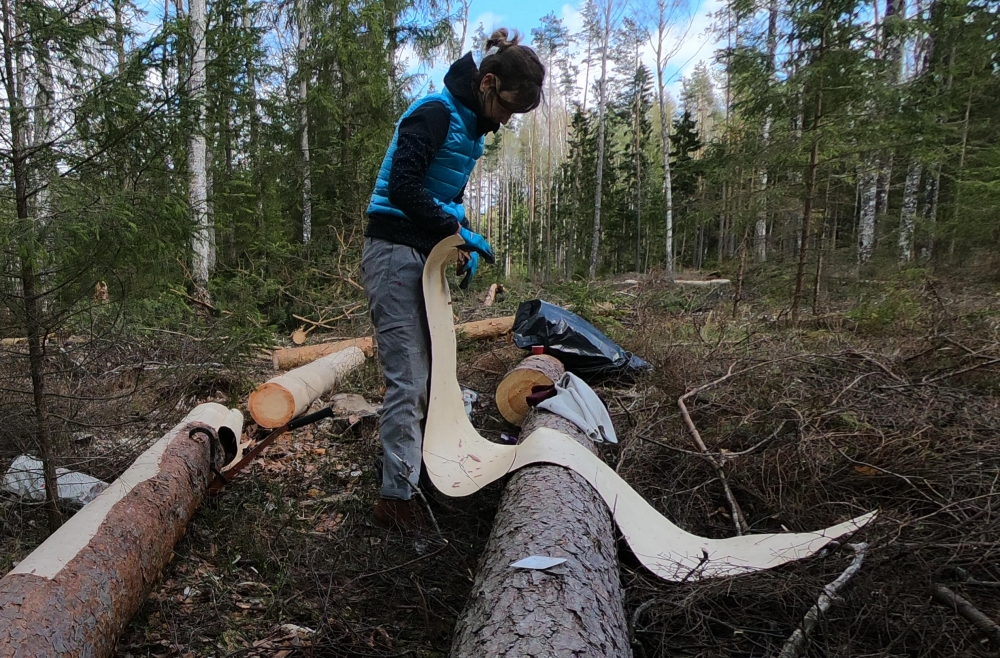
(512, 394)
(272, 405)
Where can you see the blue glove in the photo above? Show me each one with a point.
(477, 243)
(468, 269)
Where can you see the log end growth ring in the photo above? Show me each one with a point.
(512, 394)
(272, 404)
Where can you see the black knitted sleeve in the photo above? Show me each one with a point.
(421, 135)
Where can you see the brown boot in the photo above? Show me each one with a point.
(406, 516)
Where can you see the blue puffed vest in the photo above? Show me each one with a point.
(451, 167)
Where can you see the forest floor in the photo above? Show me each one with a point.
(888, 399)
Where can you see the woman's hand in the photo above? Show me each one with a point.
(476, 243)
(468, 264)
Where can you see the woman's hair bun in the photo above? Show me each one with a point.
(501, 39)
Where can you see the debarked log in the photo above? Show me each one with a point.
(573, 609)
(281, 399)
(75, 593)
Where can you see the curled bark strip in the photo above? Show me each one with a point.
(969, 612)
(739, 521)
(76, 592)
(796, 644)
(460, 462)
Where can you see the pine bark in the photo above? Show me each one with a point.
(573, 609)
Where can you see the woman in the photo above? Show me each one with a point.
(416, 203)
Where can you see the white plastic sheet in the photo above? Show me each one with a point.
(25, 478)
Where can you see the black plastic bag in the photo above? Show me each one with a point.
(583, 349)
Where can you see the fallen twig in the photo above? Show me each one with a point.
(967, 611)
(796, 643)
(738, 519)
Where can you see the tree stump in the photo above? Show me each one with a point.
(513, 391)
(573, 609)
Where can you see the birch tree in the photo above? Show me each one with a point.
(202, 238)
(302, 8)
(671, 23)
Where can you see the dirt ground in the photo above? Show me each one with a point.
(887, 399)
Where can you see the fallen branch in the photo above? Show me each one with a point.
(796, 644)
(710, 282)
(969, 612)
(739, 521)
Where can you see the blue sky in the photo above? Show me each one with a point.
(523, 15)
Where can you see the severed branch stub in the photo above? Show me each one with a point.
(796, 644)
(739, 521)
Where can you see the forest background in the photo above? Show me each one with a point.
(203, 169)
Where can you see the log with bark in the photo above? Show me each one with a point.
(573, 609)
(294, 357)
(513, 391)
(484, 329)
(281, 399)
(76, 592)
(703, 284)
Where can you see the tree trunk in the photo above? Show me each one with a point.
(573, 609)
(931, 189)
(595, 244)
(867, 181)
(807, 206)
(303, 74)
(27, 247)
(760, 236)
(201, 241)
(909, 212)
(76, 592)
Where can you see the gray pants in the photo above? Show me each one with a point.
(392, 275)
